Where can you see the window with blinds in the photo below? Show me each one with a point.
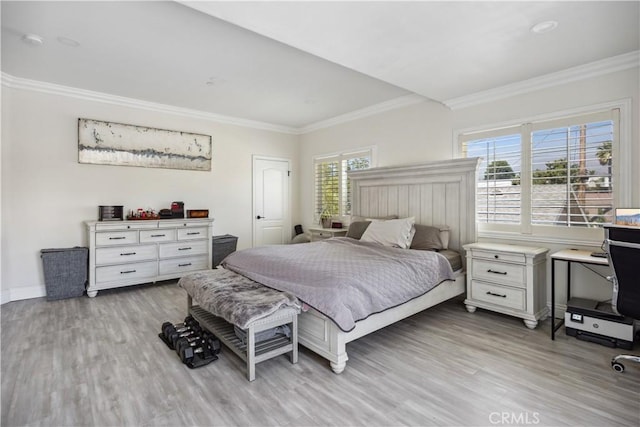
(571, 165)
(556, 172)
(332, 187)
(498, 192)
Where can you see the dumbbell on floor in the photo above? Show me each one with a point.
(168, 327)
(206, 346)
(193, 331)
(171, 333)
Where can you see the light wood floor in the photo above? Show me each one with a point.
(99, 362)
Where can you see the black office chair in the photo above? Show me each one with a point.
(622, 244)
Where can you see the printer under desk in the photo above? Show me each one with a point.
(594, 321)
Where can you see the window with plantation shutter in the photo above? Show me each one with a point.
(571, 165)
(332, 187)
(498, 192)
(547, 174)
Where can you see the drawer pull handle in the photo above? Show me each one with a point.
(127, 272)
(193, 233)
(117, 238)
(128, 253)
(496, 295)
(496, 272)
(184, 265)
(184, 249)
(157, 235)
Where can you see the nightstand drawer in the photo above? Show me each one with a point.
(500, 272)
(499, 295)
(500, 256)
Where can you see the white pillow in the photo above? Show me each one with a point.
(393, 232)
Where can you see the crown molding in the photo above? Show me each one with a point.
(592, 69)
(381, 107)
(88, 95)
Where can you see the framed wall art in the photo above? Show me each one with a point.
(109, 143)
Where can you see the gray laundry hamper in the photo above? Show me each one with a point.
(223, 246)
(65, 272)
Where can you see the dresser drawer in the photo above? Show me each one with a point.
(125, 225)
(116, 238)
(499, 295)
(123, 254)
(171, 250)
(500, 256)
(500, 272)
(134, 271)
(179, 265)
(191, 233)
(157, 235)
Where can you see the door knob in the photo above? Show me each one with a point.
(259, 217)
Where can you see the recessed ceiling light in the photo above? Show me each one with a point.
(544, 27)
(68, 42)
(33, 39)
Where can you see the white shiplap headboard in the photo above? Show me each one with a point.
(435, 193)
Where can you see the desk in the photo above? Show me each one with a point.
(569, 256)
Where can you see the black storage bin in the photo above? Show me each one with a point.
(65, 272)
(223, 246)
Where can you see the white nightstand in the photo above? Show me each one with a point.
(508, 279)
(325, 233)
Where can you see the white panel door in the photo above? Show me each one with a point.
(271, 215)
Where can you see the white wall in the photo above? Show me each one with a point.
(47, 194)
(411, 134)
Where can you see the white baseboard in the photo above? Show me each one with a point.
(4, 297)
(27, 292)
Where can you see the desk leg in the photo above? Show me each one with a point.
(553, 299)
(568, 281)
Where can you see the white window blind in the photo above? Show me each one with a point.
(556, 172)
(498, 193)
(332, 187)
(571, 171)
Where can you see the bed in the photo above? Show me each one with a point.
(438, 194)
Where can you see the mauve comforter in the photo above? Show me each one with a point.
(343, 278)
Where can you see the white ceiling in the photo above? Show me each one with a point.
(297, 63)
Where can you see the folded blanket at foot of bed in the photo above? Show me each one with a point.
(235, 298)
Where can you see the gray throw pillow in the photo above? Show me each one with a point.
(427, 238)
(357, 229)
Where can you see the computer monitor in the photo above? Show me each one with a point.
(628, 217)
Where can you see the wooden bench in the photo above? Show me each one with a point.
(252, 352)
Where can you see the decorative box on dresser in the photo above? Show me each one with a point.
(508, 279)
(123, 253)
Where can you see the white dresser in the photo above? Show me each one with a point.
(508, 279)
(123, 253)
